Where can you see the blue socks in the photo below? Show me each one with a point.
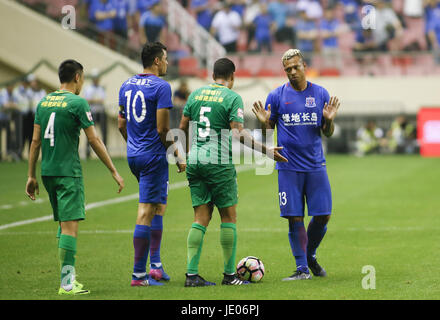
(156, 238)
(141, 244)
(304, 244)
(315, 233)
(298, 244)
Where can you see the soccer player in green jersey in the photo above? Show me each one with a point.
(215, 111)
(59, 118)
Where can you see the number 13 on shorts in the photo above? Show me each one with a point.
(283, 198)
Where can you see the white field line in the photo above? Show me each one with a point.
(23, 203)
(93, 205)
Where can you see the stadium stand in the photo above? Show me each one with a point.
(412, 15)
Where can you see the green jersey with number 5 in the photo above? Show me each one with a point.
(61, 116)
(211, 109)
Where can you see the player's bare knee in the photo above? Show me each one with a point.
(146, 213)
(160, 209)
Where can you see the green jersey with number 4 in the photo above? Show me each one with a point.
(61, 116)
(211, 109)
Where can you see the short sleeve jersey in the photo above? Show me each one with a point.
(211, 109)
(139, 99)
(298, 118)
(61, 116)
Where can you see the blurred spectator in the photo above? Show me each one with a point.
(369, 139)
(181, 94)
(413, 8)
(307, 34)
(152, 22)
(330, 30)
(413, 23)
(141, 6)
(434, 33)
(226, 26)
(203, 12)
(312, 8)
(430, 7)
(180, 97)
(252, 11)
(145, 5)
(123, 19)
(95, 95)
(238, 6)
(11, 120)
(402, 136)
(36, 93)
(351, 13)
(365, 43)
(264, 27)
(32, 97)
(102, 13)
(388, 27)
(279, 12)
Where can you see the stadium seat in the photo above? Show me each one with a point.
(54, 8)
(266, 73)
(188, 66)
(242, 73)
(202, 73)
(237, 60)
(273, 62)
(330, 72)
(253, 63)
(280, 47)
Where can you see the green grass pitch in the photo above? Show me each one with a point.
(385, 214)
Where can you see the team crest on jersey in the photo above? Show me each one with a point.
(310, 102)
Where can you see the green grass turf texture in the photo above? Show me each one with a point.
(385, 214)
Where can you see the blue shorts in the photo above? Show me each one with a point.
(297, 188)
(151, 172)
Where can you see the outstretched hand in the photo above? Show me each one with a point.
(331, 108)
(262, 114)
(275, 155)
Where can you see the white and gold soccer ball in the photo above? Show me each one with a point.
(250, 269)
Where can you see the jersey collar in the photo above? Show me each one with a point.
(217, 85)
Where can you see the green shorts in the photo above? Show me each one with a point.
(66, 195)
(215, 184)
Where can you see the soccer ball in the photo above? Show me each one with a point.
(250, 269)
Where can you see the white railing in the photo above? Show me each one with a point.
(205, 47)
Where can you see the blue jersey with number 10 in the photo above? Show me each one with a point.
(139, 99)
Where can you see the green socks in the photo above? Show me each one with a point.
(66, 252)
(228, 240)
(194, 246)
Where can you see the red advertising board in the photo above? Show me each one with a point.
(428, 131)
